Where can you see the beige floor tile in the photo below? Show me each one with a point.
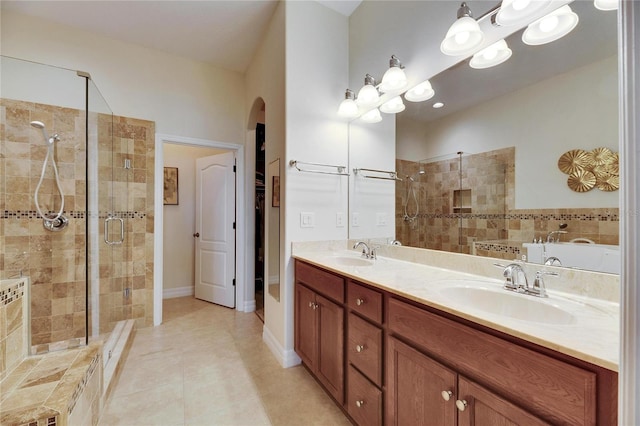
(207, 365)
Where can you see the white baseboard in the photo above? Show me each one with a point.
(249, 305)
(170, 293)
(286, 358)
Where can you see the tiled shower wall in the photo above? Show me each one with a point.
(491, 177)
(55, 262)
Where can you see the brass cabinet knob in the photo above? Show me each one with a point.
(359, 403)
(461, 404)
(359, 348)
(446, 395)
(359, 302)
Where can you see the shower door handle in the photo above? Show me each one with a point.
(106, 230)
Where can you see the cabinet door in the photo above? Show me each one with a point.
(330, 367)
(415, 384)
(484, 408)
(306, 329)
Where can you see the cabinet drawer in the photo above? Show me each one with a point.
(364, 400)
(321, 281)
(365, 348)
(365, 301)
(558, 392)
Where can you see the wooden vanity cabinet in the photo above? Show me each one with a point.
(319, 326)
(364, 354)
(404, 363)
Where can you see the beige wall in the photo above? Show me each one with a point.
(184, 97)
(179, 221)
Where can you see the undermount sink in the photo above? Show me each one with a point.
(511, 305)
(351, 261)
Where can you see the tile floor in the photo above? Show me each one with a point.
(207, 365)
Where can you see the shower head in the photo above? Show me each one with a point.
(416, 175)
(40, 125)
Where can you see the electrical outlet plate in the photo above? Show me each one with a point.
(340, 220)
(307, 220)
(381, 219)
(355, 219)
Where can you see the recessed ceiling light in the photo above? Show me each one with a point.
(438, 105)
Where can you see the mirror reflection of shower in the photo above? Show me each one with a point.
(411, 214)
(51, 221)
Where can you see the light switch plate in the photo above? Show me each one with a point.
(307, 220)
(381, 219)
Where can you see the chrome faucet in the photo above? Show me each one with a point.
(515, 279)
(366, 251)
(550, 235)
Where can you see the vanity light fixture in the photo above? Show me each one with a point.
(368, 95)
(372, 116)
(393, 106)
(421, 92)
(348, 107)
(491, 56)
(518, 12)
(464, 35)
(394, 79)
(606, 4)
(438, 105)
(549, 28)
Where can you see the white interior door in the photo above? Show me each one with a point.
(215, 229)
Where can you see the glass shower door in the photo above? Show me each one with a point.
(108, 176)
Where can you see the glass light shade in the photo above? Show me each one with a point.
(463, 37)
(421, 92)
(555, 25)
(372, 116)
(606, 4)
(519, 12)
(348, 109)
(491, 56)
(393, 106)
(368, 96)
(393, 80)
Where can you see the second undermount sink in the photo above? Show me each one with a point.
(510, 305)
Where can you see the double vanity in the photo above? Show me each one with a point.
(425, 337)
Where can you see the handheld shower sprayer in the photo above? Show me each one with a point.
(54, 221)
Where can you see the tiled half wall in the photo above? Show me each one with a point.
(55, 261)
(445, 222)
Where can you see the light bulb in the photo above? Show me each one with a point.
(491, 56)
(520, 4)
(549, 23)
(372, 116)
(462, 37)
(393, 106)
(421, 92)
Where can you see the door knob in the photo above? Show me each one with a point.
(197, 234)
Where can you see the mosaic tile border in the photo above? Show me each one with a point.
(32, 214)
(83, 383)
(12, 293)
(500, 248)
(521, 216)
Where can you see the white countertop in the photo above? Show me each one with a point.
(592, 336)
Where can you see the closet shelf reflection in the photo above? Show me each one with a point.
(325, 169)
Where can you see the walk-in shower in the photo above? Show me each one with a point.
(52, 221)
(62, 160)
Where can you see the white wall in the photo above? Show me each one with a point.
(265, 79)
(578, 109)
(179, 221)
(317, 75)
(184, 97)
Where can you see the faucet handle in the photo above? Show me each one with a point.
(539, 288)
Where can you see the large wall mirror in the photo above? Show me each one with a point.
(480, 175)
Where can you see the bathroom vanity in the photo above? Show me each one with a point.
(390, 350)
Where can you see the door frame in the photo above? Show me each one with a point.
(244, 301)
